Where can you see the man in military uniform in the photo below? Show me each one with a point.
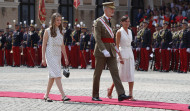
(17, 38)
(2, 47)
(75, 59)
(41, 34)
(184, 47)
(105, 52)
(155, 47)
(31, 46)
(67, 41)
(145, 47)
(24, 46)
(84, 49)
(166, 38)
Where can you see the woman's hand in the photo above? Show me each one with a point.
(43, 62)
(121, 60)
(66, 62)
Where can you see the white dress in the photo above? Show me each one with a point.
(126, 70)
(53, 54)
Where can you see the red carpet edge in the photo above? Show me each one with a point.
(87, 99)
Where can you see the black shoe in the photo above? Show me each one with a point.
(47, 99)
(65, 98)
(140, 69)
(41, 67)
(123, 97)
(189, 107)
(96, 99)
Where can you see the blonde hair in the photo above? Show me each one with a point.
(52, 25)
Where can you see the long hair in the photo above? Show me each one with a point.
(52, 26)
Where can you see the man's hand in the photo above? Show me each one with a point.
(106, 53)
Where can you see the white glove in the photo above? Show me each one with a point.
(106, 53)
(87, 50)
(69, 48)
(89, 43)
(147, 48)
(188, 50)
(168, 48)
(77, 43)
(153, 49)
(174, 50)
(160, 50)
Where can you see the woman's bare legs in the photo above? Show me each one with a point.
(59, 85)
(131, 84)
(50, 84)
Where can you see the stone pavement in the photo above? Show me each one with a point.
(149, 86)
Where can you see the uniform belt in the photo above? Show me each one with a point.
(107, 40)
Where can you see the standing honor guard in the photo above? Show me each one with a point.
(84, 38)
(184, 47)
(41, 34)
(17, 38)
(155, 47)
(92, 45)
(2, 47)
(145, 47)
(31, 46)
(166, 38)
(105, 52)
(75, 58)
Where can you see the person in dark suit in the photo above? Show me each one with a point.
(105, 52)
(2, 47)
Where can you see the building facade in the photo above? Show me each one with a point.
(88, 10)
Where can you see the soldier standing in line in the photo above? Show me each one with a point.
(92, 45)
(84, 48)
(24, 45)
(41, 34)
(184, 47)
(155, 47)
(2, 47)
(5, 45)
(172, 55)
(75, 59)
(175, 50)
(145, 47)
(166, 38)
(17, 38)
(31, 46)
(67, 41)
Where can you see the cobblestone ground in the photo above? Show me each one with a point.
(149, 86)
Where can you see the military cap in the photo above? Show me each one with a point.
(31, 25)
(17, 24)
(109, 4)
(65, 21)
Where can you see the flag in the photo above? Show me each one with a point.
(76, 3)
(42, 11)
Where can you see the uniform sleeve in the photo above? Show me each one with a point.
(97, 36)
(188, 39)
(149, 38)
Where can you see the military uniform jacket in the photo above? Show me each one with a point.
(175, 39)
(185, 39)
(155, 40)
(101, 32)
(2, 41)
(146, 38)
(76, 36)
(41, 33)
(32, 40)
(84, 39)
(67, 37)
(17, 38)
(165, 38)
(9, 42)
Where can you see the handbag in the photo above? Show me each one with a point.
(66, 72)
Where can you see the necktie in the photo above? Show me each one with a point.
(109, 21)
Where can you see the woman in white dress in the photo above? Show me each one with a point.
(52, 47)
(126, 57)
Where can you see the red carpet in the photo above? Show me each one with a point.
(87, 99)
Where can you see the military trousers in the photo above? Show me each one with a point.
(100, 63)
